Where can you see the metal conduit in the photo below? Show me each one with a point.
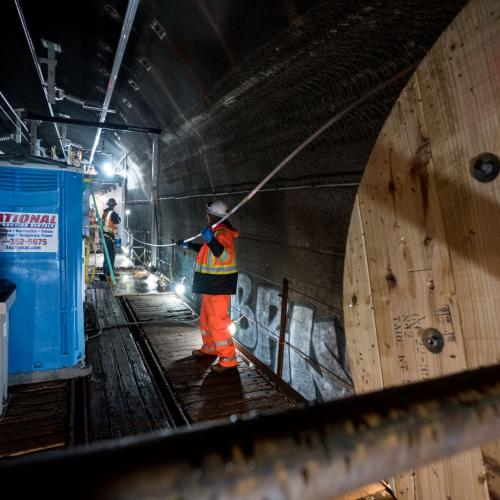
(39, 71)
(120, 51)
(311, 452)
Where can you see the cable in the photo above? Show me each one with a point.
(172, 322)
(15, 124)
(13, 111)
(302, 146)
(232, 193)
(150, 244)
(302, 354)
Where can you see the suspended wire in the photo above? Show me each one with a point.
(268, 190)
(15, 124)
(13, 111)
(298, 351)
(302, 146)
(148, 244)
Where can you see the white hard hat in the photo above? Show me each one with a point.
(218, 208)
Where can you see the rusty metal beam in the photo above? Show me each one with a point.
(313, 452)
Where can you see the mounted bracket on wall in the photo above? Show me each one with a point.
(34, 136)
(51, 63)
(19, 124)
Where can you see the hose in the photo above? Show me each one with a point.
(298, 149)
(103, 241)
(172, 322)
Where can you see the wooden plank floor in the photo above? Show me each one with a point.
(36, 418)
(203, 395)
(123, 399)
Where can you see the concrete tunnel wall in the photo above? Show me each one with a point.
(327, 59)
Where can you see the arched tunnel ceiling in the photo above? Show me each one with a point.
(203, 41)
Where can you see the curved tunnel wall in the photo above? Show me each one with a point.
(325, 60)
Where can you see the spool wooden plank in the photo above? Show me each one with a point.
(430, 237)
(358, 316)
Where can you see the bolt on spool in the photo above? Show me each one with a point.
(486, 167)
(433, 340)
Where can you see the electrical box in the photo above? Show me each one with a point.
(7, 298)
(41, 252)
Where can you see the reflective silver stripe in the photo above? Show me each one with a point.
(232, 358)
(224, 342)
(205, 269)
(224, 256)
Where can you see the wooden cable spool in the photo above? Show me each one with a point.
(422, 269)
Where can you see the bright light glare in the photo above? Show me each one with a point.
(232, 328)
(180, 288)
(127, 212)
(107, 168)
(125, 249)
(151, 281)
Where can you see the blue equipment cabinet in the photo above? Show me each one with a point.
(41, 252)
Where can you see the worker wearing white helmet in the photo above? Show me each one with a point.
(215, 278)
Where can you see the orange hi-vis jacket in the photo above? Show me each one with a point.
(109, 226)
(217, 275)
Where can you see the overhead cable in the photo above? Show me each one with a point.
(302, 146)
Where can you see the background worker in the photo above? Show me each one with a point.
(110, 221)
(215, 278)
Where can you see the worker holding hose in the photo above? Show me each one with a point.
(215, 278)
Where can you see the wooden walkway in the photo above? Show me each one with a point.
(123, 399)
(38, 418)
(203, 395)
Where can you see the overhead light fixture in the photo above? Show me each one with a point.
(127, 212)
(107, 168)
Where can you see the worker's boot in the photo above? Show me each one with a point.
(198, 353)
(219, 369)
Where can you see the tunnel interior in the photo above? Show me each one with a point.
(235, 87)
(335, 132)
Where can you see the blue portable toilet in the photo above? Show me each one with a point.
(41, 252)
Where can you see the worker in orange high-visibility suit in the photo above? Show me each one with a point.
(215, 277)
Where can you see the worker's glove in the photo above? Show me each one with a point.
(183, 244)
(206, 234)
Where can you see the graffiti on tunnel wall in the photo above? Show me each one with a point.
(319, 356)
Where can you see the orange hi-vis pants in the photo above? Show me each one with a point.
(214, 326)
